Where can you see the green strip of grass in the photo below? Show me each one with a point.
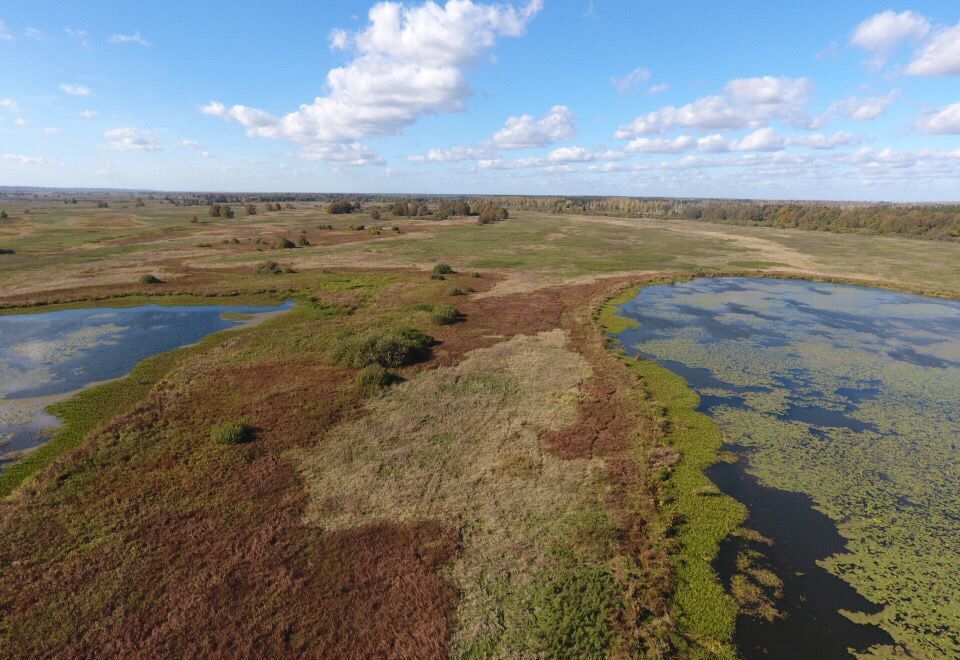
(87, 410)
(707, 614)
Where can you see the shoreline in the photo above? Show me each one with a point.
(23, 463)
(701, 540)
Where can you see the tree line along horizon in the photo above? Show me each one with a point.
(935, 221)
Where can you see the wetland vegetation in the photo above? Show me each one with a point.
(847, 395)
(378, 470)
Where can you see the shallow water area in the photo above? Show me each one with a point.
(46, 357)
(842, 407)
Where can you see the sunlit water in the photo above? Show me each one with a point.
(843, 406)
(44, 356)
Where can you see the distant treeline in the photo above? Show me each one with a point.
(920, 220)
(931, 221)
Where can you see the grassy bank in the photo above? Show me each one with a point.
(704, 516)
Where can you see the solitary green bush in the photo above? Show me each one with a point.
(231, 433)
(303, 241)
(446, 314)
(457, 291)
(4, 215)
(149, 279)
(373, 378)
(388, 348)
(284, 243)
(442, 269)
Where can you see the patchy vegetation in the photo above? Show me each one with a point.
(501, 486)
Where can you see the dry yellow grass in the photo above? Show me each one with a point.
(487, 474)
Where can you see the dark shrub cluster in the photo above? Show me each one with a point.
(440, 271)
(342, 206)
(387, 348)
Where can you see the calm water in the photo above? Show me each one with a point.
(44, 356)
(842, 405)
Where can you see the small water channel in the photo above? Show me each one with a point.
(47, 357)
(841, 405)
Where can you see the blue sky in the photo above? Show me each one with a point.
(727, 99)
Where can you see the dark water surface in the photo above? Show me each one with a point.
(46, 355)
(842, 405)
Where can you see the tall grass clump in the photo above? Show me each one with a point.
(234, 432)
(387, 348)
(373, 379)
(446, 314)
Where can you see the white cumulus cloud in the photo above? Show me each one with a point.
(453, 154)
(526, 131)
(75, 90)
(944, 120)
(409, 61)
(131, 139)
(746, 103)
(882, 32)
(662, 145)
(940, 56)
(625, 83)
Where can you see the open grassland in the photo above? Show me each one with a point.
(66, 247)
(332, 483)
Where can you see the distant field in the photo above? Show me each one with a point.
(512, 488)
(58, 246)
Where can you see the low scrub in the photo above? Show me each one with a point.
(231, 433)
(149, 279)
(446, 314)
(373, 379)
(387, 348)
(269, 268)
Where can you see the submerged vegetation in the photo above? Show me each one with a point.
(847, 395)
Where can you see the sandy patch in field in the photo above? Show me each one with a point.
(526, 281)
(769, 250)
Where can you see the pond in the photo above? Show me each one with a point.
(841, 406)
(47, 357)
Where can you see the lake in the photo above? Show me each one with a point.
(46, 357)
(841, 407)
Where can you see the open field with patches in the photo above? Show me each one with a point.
(370, 474)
